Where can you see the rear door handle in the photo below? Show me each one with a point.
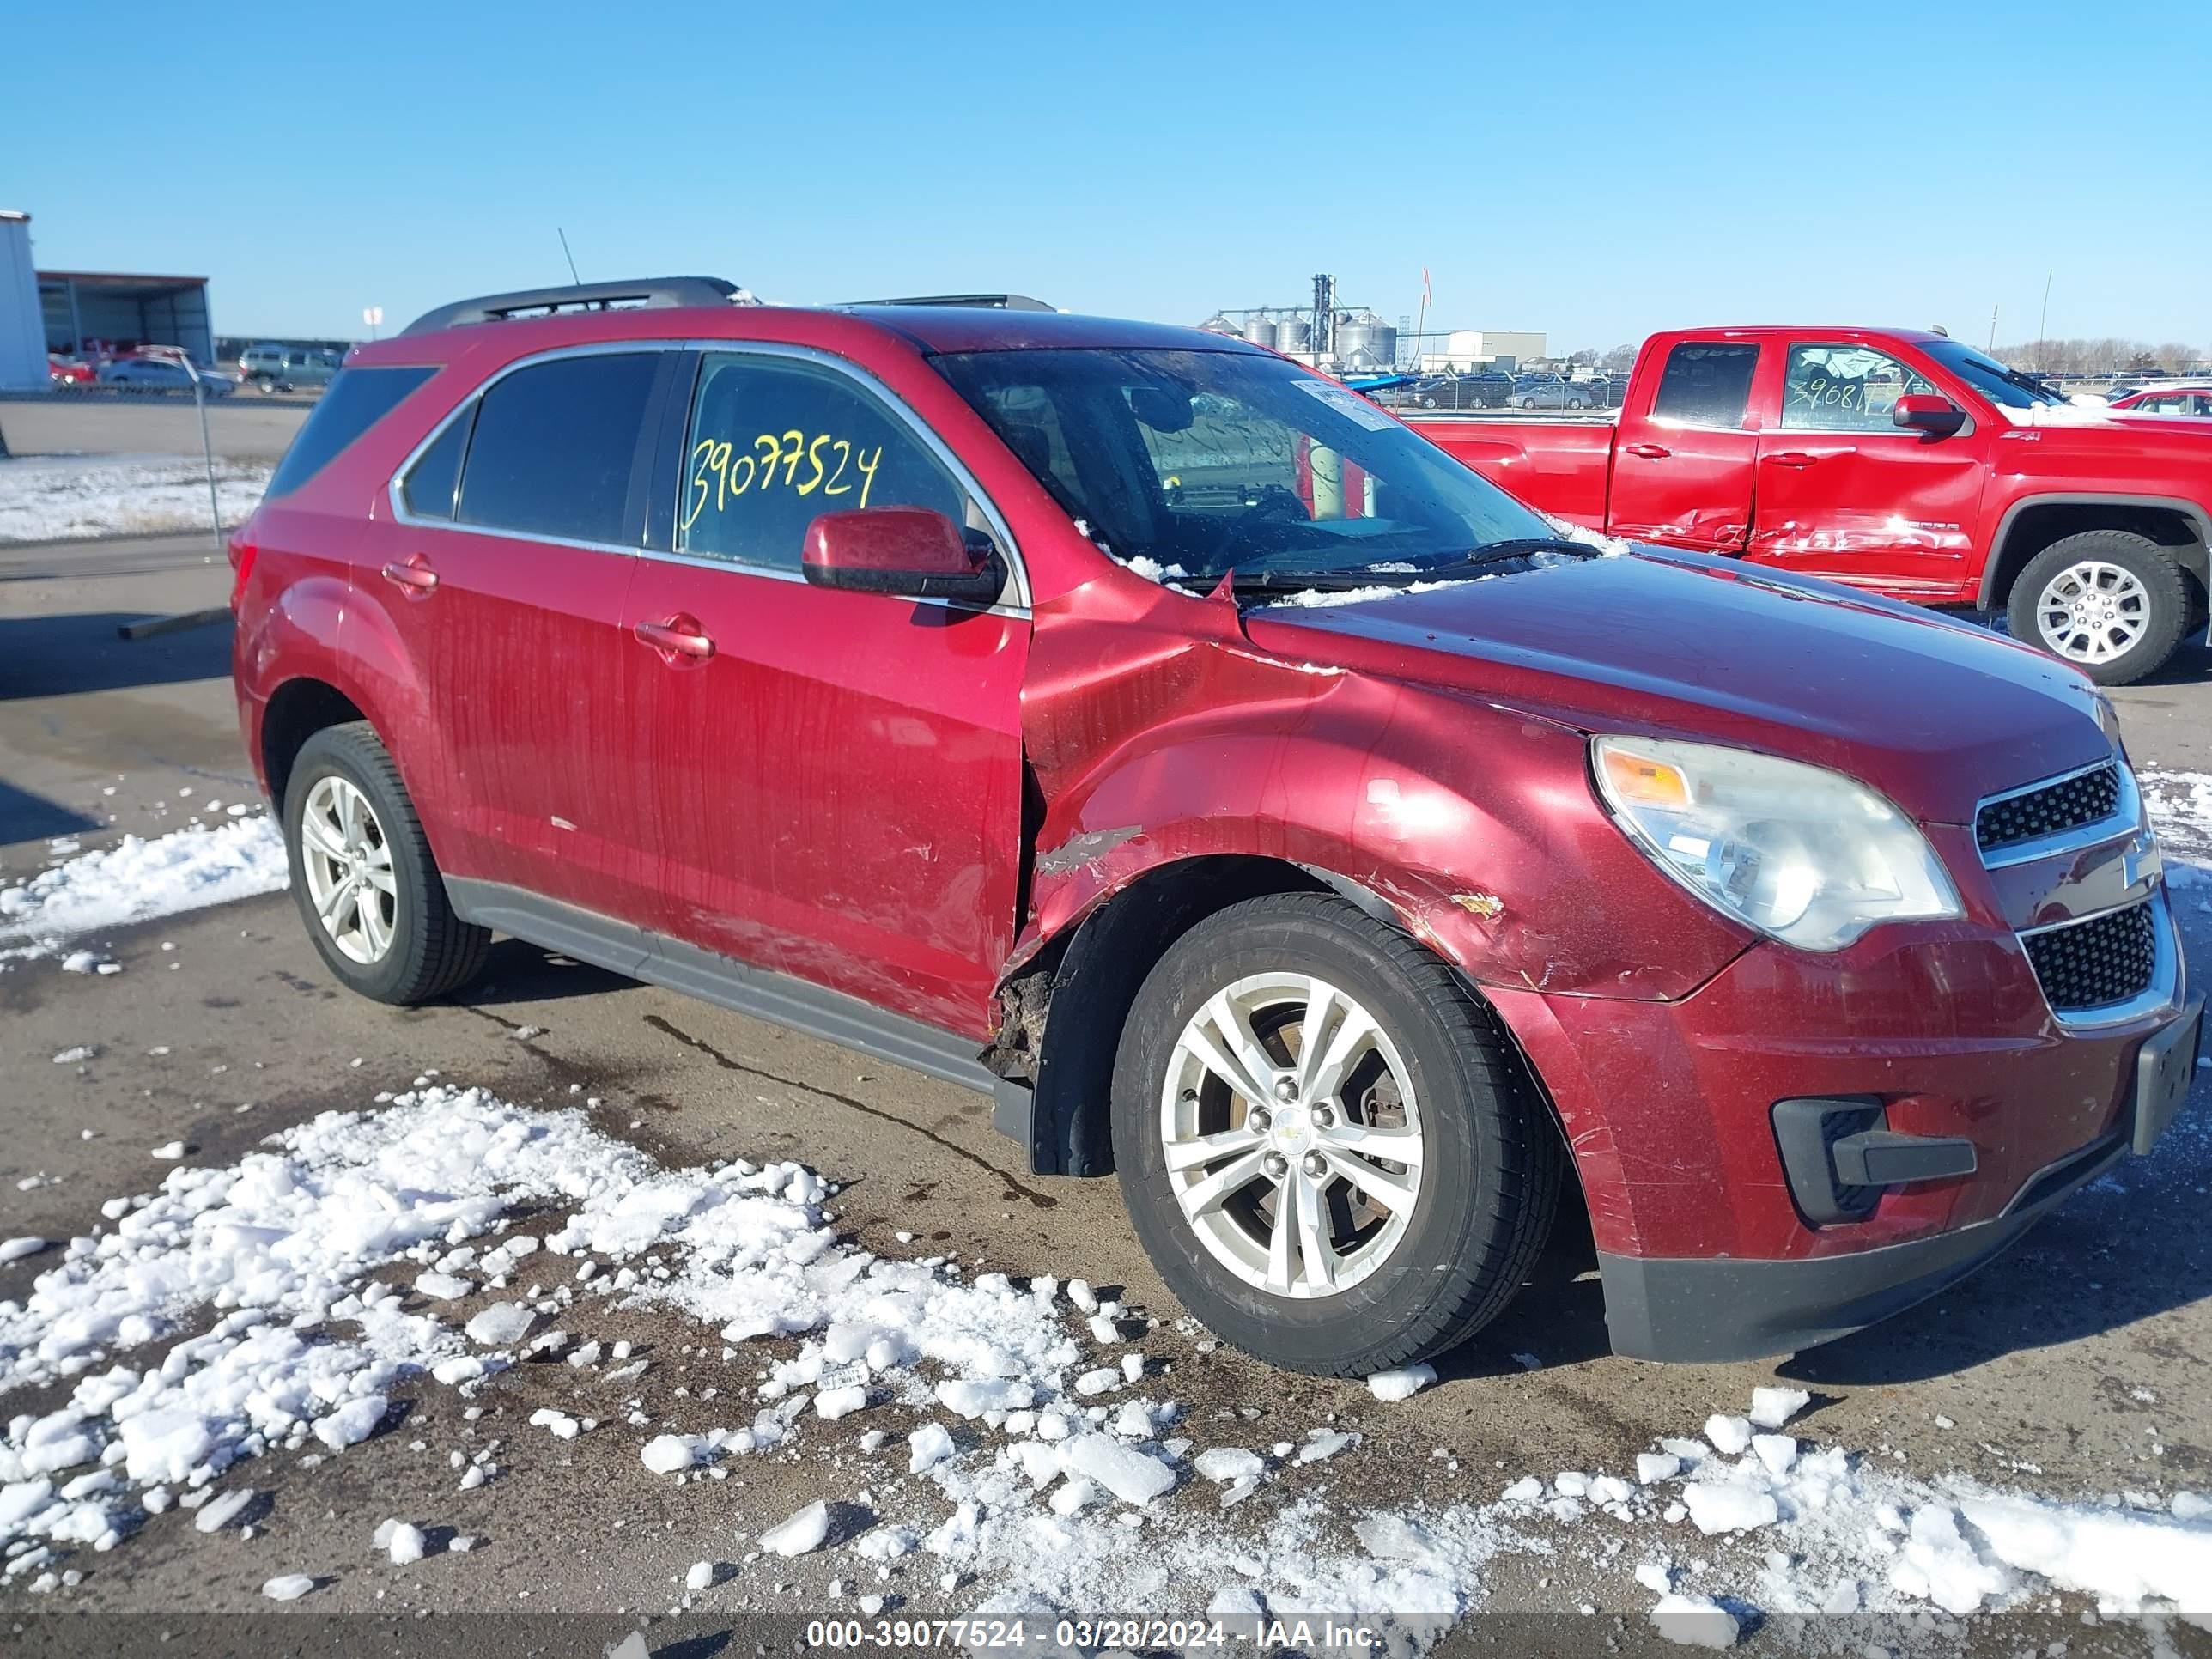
(1650, 452)
(677, 636)
(416, 576)
(1792, 458)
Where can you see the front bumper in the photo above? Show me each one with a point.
(1711, 1311)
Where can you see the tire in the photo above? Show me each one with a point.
(1434, 1270)
(427, 951)
(1528, 403)
(2125, 580)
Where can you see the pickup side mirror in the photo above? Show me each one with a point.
(1921, 411)
(907, 550)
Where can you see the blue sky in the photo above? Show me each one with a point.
(1593, 170)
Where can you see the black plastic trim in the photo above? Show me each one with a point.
(798, 1004)
(1706, 1311)
(1883, 1157)
(1805, 1133)
(653, 292)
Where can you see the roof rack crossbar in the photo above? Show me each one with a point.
(648, 291)
(993, 302)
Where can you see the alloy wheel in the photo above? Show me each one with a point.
(2092, 612)
(347, 863)
(1292, 1135)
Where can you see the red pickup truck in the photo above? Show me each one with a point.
(1895, 460)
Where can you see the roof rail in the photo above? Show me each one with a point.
(646, 291)
(993, 302)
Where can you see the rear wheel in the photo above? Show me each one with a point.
(2112, 603)
(362, 874)
(1326, 1147)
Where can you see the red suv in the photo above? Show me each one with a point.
(1261, 806)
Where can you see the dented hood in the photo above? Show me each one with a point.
(1934, 714)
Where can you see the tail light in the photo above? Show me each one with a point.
(242, 556)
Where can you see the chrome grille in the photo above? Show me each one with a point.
(2087, 797)
(2091, 965)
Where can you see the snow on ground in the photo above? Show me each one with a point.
(138, 880)
(47, 498)
(247, 1311)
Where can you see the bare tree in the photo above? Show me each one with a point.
(1584, 355)
(1620, 357)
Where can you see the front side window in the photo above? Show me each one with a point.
(553, 447)
(1202, 462)
(1706, 383)
(1845, 388)
(774, 442)
(358, 399)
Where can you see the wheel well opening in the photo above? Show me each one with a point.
(2038, 527)
(297, 710)
(1097, 966)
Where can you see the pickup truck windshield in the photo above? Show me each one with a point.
(1206, 461)
(1991, 379)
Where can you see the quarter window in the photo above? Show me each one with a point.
(774, 443)
(357, 400)
(1706, 383)
(1845, 388)
(554, 447)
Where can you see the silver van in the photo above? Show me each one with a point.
(274, 368)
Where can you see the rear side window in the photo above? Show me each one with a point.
(1706, 385)
(357, 400)
(554, 446)
(433, 482)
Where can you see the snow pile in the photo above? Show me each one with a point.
(1611, 547)
(1318, 598)
(2180, 807)
(138, 880)
(45, 498)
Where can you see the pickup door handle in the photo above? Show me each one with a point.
(1650, 452)
(677, 636)
(1792, 458)
(416, 576)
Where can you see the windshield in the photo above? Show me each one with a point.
(1206, 461)
(1991, 379)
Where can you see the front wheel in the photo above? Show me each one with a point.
(2112, 603)
(367, 885)
(1326, 1147)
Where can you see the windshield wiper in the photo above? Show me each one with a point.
(1503, 552)
(1325, 581)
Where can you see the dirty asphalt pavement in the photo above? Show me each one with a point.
(2041, 1363)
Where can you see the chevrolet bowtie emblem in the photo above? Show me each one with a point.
(2140, 861)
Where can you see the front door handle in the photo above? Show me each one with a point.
(416, 576)
(1792, 458)
(677, 637)
(1650, 452)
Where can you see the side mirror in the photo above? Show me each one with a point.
(907, 550)
(1921, 411)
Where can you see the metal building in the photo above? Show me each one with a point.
(92, 311)
(22, 342)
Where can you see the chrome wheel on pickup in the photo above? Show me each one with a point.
(2112, 603)
(1292, 1135)
(1327, 1146)
(2092, 612)
(347, 864)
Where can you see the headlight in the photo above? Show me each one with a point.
(1809, 855)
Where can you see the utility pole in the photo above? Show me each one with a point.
(1993, 331)
(2043, 321)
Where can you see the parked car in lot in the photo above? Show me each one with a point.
(2167, 400)
(1901, 462)
(163, 374)
(779, 656)
(272, 368)
(66, 373)
(1550, 391)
